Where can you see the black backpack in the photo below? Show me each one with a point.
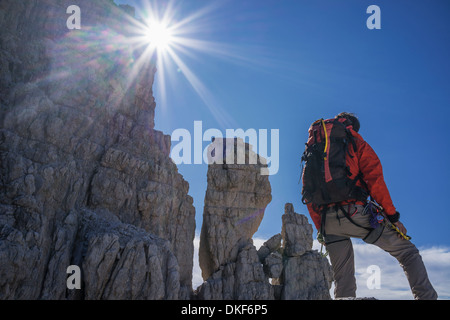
(325, 174)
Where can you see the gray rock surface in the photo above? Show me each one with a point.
(306, 274)
(306, 277)
(273, 265)
(297, 271)
(271, 245)
(139, 265)
(296, 232)
(243, 279)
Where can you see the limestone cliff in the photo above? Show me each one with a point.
(85, 178)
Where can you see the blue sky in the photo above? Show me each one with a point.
(281, 64)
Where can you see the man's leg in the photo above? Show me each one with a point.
(409, 258)
(403, 250)
(338, 231)
(342, 262)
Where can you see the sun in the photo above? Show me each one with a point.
(168, 35)
(159, 36)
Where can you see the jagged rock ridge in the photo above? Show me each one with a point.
(86, 180)
(274, 271)
(285, 267)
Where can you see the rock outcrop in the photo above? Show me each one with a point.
(297, 271)
(85, 178)
(236, 197)
(232, 268)
(284, 268)
(296, 232)
(235, 201)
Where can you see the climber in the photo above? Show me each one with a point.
(341, 171)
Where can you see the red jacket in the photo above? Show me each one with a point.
(366, 161)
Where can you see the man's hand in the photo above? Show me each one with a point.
(400, 227)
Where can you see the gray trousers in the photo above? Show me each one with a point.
(339, 230)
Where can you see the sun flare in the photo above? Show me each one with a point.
(160, 36)
(169, 36)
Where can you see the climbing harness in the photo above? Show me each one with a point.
(378, 221)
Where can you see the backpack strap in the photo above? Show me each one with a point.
(350, 139)
(325, 151)
(323, 214)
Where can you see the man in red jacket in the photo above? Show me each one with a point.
(338, 228)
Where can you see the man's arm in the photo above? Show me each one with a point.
(315, 216)
(372, 172)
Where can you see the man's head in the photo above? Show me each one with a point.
(351, 117)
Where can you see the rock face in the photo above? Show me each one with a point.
(305, 274)
(306, 277)
(138, 264)
(85, 178)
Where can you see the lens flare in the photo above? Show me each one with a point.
(159, 36)
(170, 34)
